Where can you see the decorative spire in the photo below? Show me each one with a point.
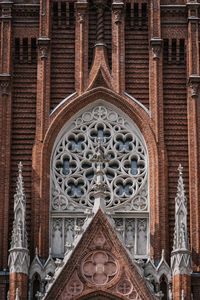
(100, 187)
(181, 256)
(180, 230)
(19, 235)
(19, 255)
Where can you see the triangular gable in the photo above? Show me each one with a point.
(99, 262)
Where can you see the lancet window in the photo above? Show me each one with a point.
(73, 174)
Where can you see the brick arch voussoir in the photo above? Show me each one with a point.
(64, 114)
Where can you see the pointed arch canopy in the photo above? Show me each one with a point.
(65, 112)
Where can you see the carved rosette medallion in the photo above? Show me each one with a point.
(99, 268)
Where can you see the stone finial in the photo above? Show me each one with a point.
(100, 187)
(19, 259)
(180, 230)
(19, 235)
(180, 256)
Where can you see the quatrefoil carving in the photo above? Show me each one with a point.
(99, 268)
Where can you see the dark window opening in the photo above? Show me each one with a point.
(164, 288)
(17, 50)
(25, 50)
(36, 286)
(136, 15)
(182, 50)
(166, 49)
(33, 50)
(63, 14)
(173, 50)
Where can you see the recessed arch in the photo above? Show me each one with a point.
(135, 113)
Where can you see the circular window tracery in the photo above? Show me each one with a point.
(125, 171)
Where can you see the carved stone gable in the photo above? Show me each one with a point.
(98, 263)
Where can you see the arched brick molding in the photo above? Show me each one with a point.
(42, 159)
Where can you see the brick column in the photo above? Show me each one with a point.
(159, 225)
(81, 46)
(5, 125)
(192, 102)
(118, 47)
(42, 121)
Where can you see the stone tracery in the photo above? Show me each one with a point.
(73, 174)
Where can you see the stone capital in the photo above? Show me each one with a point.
(194, 84)
(6, 9)
(117, 8)
(81, 7)
(5, 82)
(43, 46)
(156, 46)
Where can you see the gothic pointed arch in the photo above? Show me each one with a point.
(58, 119)
(73, 175)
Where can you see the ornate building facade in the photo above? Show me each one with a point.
(99, 151)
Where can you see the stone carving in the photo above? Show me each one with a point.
(134, 234)
(57, 237)
(63, 232)
(142, 237)
(124, 286)
(43, 46)
(99, 267)
(100, 156)
(118, 9)
(19, 259)
(181, 256)
(73, 288)
(194, 84)
(73, 172)
(6, 10)
(156, 45)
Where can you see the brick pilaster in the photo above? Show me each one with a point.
(5, 124)
(118, 47)
(192, 102)
(20, 281)
(81, 46)
(181, 287)
(42, 117)
(159, 227)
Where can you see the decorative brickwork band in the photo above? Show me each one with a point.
(181, 256)
(156, 45)
(5, 80)
(19, 259)
(194, 84)
(43, 45)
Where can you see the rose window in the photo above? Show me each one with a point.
(73, 171)
(99, 268)
(125, 180)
